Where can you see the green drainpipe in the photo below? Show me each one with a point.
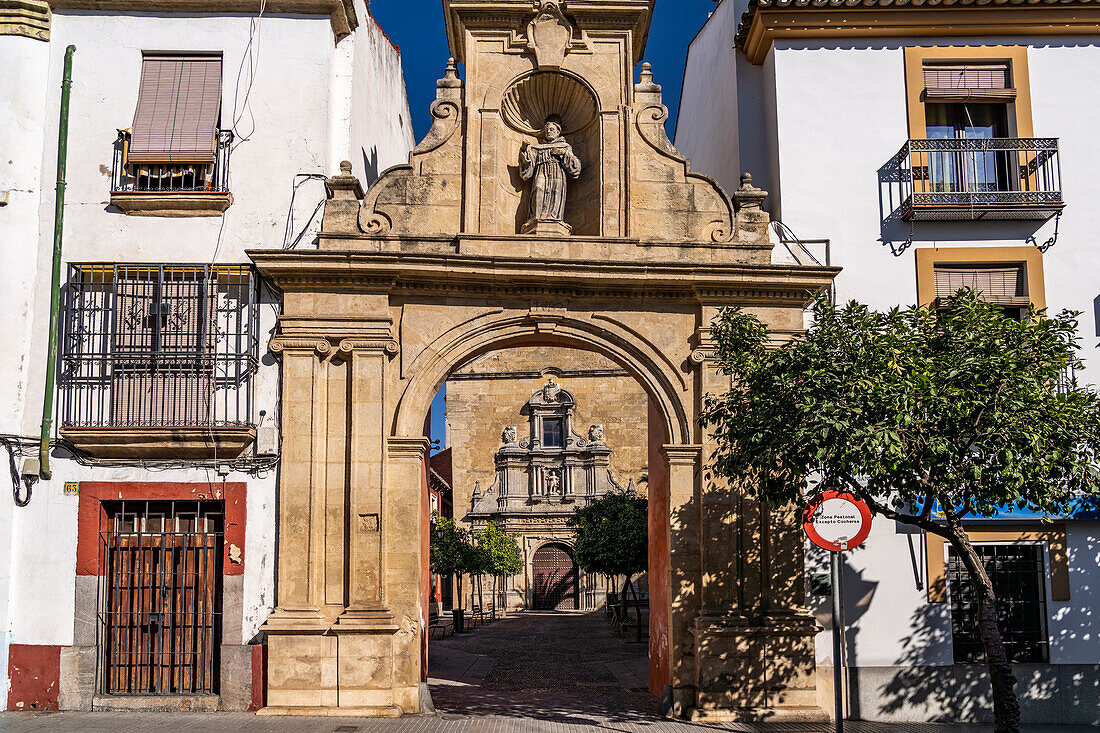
(55, 282)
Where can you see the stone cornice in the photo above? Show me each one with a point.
(559, 280)
(767, 20)
(632, 15)
(684, 455)
(341, 12)
(30, 18)
(407, 447)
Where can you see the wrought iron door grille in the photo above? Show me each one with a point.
(1017, 573)
(158, 346)
(159, 629)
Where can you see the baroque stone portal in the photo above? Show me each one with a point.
(425, 273)
(539, 481)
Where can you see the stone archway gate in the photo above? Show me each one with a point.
(427, 270)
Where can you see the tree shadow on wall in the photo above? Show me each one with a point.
(750, 577)
(929, 686)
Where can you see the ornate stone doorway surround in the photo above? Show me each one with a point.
(428, 270)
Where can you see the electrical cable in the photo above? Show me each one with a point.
(295, 185)
(16, 483)
(249, 61)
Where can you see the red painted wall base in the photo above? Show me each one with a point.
(35, 673)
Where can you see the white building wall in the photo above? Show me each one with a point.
(828, 118)
(284, 125)
(22, 137)
(381, 132)
(841, 116)
(707, 120)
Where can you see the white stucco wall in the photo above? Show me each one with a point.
(381, 132)
(288, 123)
(22, 131)
(841, 115)
(706, 123)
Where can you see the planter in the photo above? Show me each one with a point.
(459, 620)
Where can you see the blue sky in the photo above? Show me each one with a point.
(416, 27)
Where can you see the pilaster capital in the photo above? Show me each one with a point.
(386, 346)
(682, 455)
(403, 447)
(281, 344)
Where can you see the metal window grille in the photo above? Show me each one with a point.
(158, 346)
(159, 628)
(170, 177)
(1017, 573)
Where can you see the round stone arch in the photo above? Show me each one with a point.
(660, 379)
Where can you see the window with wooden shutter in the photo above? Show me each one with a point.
(178, 110)
(1002, 283)
(989, 82)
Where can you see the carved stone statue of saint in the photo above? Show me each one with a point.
(548, 165)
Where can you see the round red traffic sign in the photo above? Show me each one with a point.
(836, 520)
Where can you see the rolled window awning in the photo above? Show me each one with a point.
(968, 83)
(178, 110)
(1003, 284)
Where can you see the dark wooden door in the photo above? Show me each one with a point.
(161, 613)
(555, 578)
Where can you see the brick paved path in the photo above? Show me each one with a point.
(532, 673)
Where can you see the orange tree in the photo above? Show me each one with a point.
(612, 539)
(930, 416)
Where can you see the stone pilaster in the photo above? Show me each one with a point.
(301, 659)
(301, 486)
(369, 405)
(685, 570)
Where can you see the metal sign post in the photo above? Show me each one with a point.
(837, 521)
(838, 667)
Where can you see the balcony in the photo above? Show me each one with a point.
(158, 360)
(980, 178)
(171, 190)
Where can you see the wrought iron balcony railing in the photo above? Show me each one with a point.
(158, 346)
(129, 177)
(980, 178)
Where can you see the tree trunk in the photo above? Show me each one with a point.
(1006, 706)
(637, 608)
(480, 598)
(461, 600)
(496, 596)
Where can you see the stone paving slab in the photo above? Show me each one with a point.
(444, 723)
(530, 673)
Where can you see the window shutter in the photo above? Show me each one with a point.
(178, 109)
(967, 82)
(1002, 284)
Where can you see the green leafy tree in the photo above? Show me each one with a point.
(930, 416)
(451, 551)
(613, 539)
(502, 555)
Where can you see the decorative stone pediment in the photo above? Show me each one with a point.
(550, 471)
(488, 170)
